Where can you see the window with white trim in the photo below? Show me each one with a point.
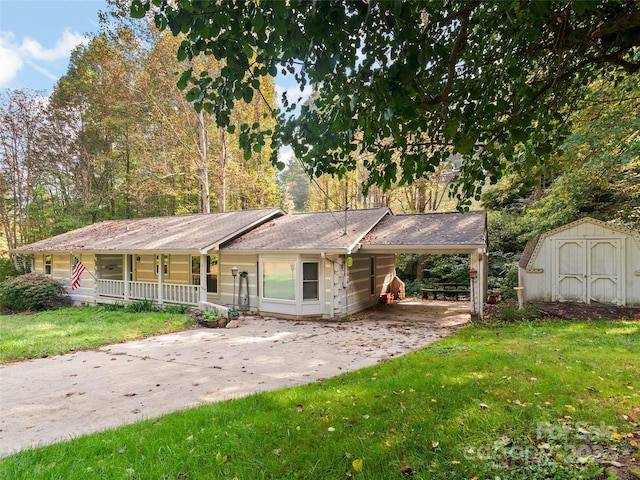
(166, 264)
(279, 280)
(212, 273)
(372, 275)
(310, 281)
(48, 264)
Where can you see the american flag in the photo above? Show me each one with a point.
(78, 268)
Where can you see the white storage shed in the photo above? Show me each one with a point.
(587, 261)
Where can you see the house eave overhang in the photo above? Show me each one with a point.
(301, 251)
(462, 249)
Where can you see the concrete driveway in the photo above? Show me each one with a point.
(52, 399)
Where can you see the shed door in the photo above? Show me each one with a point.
(604, 268)
(589, 270)
(571, 271)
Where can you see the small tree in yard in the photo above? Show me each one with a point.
(32, 292)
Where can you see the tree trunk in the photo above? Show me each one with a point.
(222, 172)
(203, 165)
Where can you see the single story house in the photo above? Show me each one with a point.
(303, 265)
(586, 261)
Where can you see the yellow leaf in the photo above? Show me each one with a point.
(435, 443)
(455, 462)
(617, 436)
(569, 407)
(357, 465)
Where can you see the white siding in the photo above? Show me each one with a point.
(586, 261)
(359, 288)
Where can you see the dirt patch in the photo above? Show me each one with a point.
(582, 311)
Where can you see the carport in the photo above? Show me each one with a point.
(438, 233)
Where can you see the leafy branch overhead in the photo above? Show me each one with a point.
(401, 86)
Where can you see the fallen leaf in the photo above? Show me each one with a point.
(435, 443)
(357, 465)
(484, 406)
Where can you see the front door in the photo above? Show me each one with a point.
(588, 271)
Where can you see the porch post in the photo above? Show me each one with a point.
(161, 278)
(127, 274)
(203, 278)
(479, 283)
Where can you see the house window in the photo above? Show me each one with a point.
(195, 270)
(48, 261)
(372, 275)
(310, 281)
(212, 273)
(279, 280)
(166, 264)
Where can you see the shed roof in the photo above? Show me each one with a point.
(200, 232)
(451, 230)
(534, 245)
(317, 231)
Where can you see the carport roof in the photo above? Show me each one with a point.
(185, 233)
(445, 232)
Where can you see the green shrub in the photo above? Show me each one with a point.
(7, 270)
(412, 288)
(141, 307)
(176, 309)
(208, 315)
(32, 292)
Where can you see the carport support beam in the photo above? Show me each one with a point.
(479, 284)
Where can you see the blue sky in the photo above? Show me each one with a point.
(37, 37)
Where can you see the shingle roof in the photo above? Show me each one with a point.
(430, 229)
(177, 233)
(319, 231)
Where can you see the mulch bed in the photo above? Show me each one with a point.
(582, 311)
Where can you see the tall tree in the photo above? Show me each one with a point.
(421, 80)
(21, 118)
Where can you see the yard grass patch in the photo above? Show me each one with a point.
(540, 400)
(42, 334)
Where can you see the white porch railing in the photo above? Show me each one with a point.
(171, 292)
(183, 294)
(143, 290)
(110, 288)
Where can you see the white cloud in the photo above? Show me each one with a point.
(13, 57)
(62, 49)
(10, 59)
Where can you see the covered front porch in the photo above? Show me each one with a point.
(160, 278)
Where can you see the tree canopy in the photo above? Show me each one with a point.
(402, 86)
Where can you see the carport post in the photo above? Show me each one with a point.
(478, 281)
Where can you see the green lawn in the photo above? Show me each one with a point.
(54, 332)
(523, 401)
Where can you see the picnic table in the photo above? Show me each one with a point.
(447, 291)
